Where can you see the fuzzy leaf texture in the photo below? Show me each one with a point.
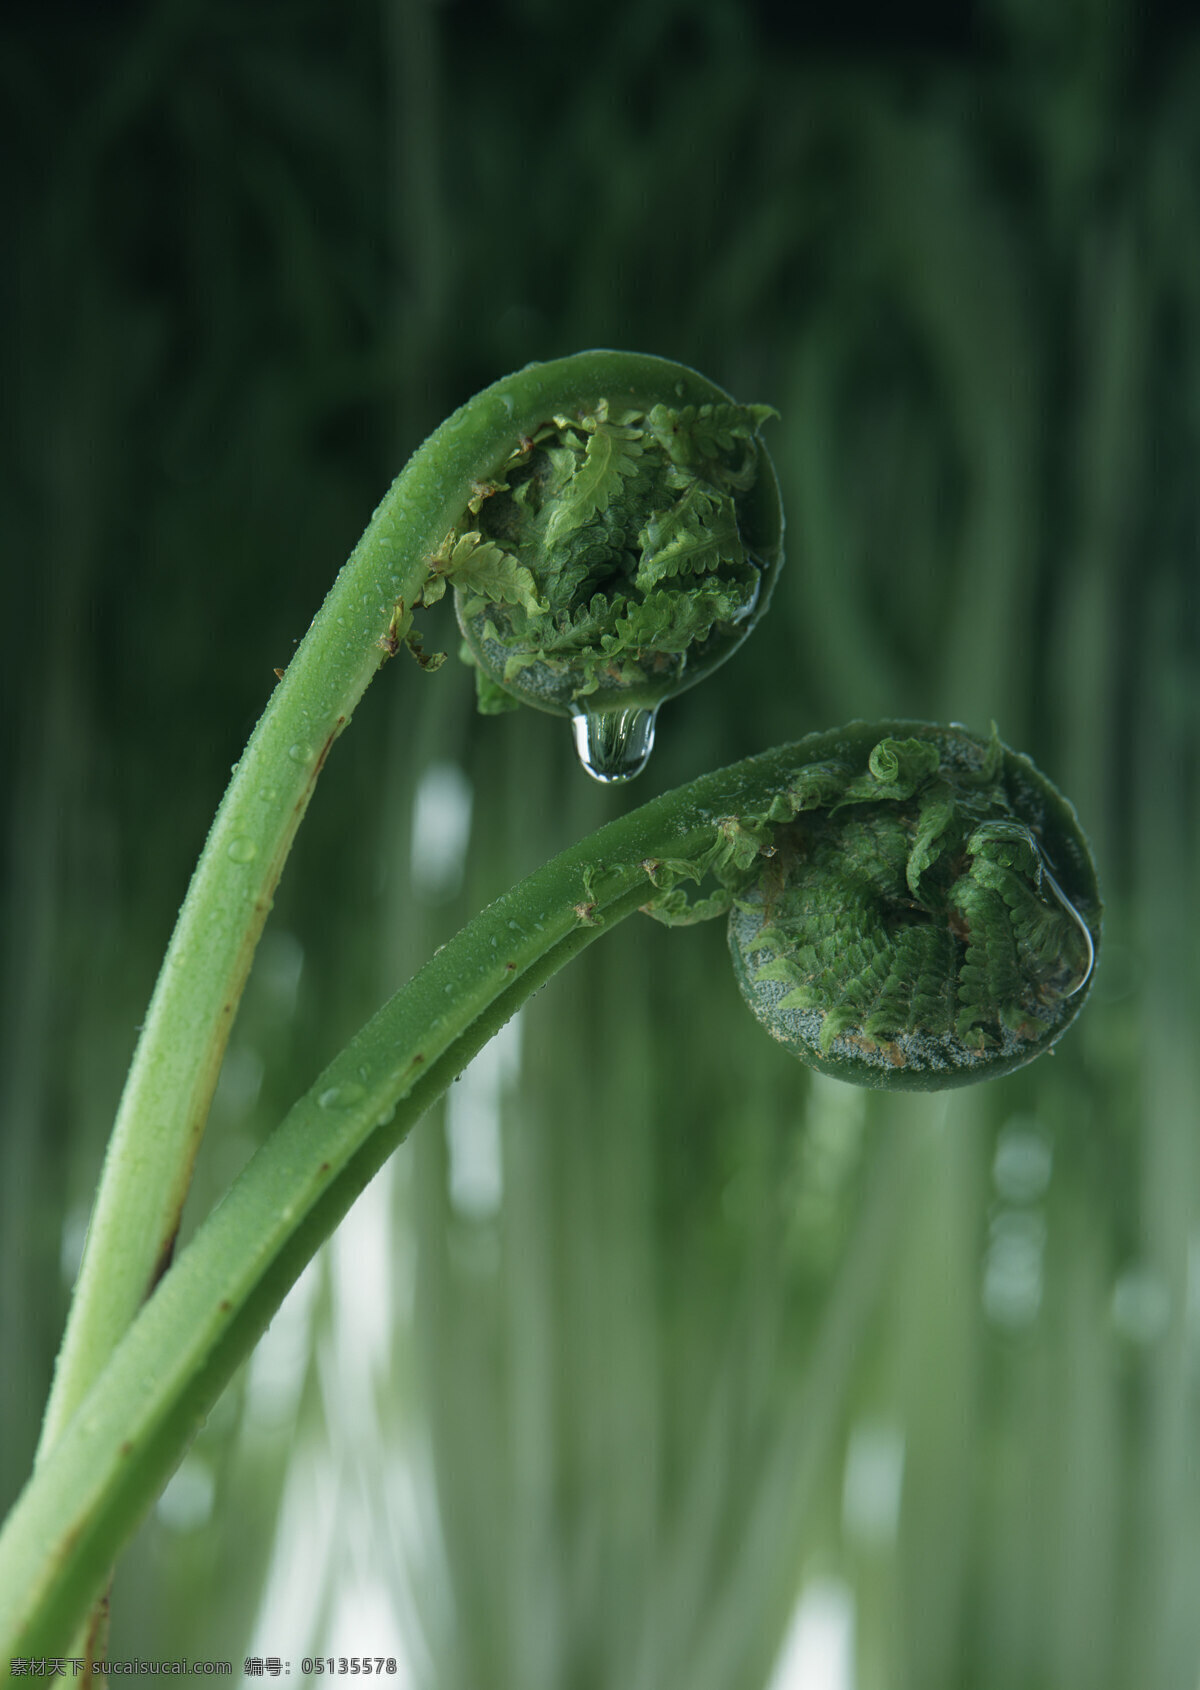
(615, 555)
(906, 925)
(610, 460)
(481, 571)
(694, 538)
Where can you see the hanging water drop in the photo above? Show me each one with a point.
(614, 745)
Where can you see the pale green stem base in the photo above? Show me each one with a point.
(88, 1493)
(175, 1067)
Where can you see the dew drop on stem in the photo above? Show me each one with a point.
(343, 1096)
(614, 745)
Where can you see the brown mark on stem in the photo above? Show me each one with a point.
(165, 1256)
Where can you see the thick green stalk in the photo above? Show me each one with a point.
(89, 1491)
(170, 1084)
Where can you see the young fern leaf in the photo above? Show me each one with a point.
(696, 433)
(934, 834)
(611, 459)
(479, 569)
(906, 927)
(650, 534)
(670, 622)
(696, 537)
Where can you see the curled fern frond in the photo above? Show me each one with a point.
(924, 912)
(611, 458)
(621, 549)
(484, 574)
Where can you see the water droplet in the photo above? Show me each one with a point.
(241, 850)
(300, 753)
(343, 1096)
(745, 611)
(614, 745)
(507, 403)
(388, 1116)
(1083, 960)
(268, 794)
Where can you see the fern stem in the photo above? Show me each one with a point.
(174, 1070)
(88, 1492)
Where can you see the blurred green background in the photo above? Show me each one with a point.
(650, 1362)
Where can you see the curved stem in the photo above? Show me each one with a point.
(169, 1088)
(88, 1492)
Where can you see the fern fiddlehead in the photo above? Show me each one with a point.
(923, 911)
(616, 555)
